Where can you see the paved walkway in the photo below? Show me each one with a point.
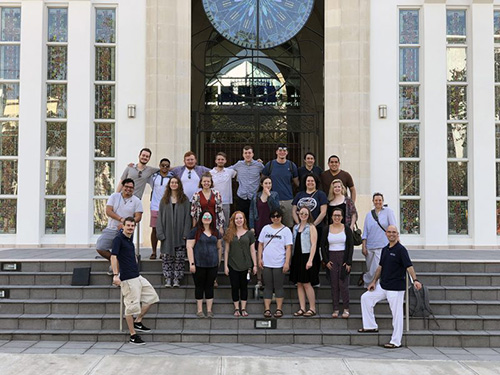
(102, 358)
(90, 253)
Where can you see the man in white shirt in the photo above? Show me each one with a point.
(223, 183)
(119, 206)
(190, 174)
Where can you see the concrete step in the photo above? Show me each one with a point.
(291, 336)
(156, 278)
(101, 265)
(476, 293)
(225, 306)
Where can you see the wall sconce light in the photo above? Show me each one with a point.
(131, 111)
(382, 111)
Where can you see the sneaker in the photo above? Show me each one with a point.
(176, 284)
(110, 271)
(168, 283)
(141, 327)
(136, 340)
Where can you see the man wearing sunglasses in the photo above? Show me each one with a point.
(190, 174)
(139, 172)
(119, 206)
(284, 174)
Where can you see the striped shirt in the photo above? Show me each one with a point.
(248, 178)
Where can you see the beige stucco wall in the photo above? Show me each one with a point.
(347, 88)
(168, 78)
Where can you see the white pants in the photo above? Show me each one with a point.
(395, 299)
(372, 261)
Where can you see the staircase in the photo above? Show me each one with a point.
(42, 305)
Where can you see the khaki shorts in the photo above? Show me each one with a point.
(136, 291)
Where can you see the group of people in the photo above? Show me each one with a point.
(271, 232)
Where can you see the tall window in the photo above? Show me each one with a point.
(10, 41)
(496, 19)
(409, 121)
(104, 113)
(56, 121)
(457, 123)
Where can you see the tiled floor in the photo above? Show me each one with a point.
(249, 350)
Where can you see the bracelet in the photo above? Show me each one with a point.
(115, 274)
(192, 264)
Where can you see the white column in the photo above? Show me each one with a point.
(130, 82)
(31, 177)
(80, 181)
(434, 183)
(482, 219)
(384, 90)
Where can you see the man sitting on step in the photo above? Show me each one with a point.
(135, 288)
(394, 262)
(119, 206)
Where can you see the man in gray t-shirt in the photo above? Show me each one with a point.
(139, 172)
(118, 208)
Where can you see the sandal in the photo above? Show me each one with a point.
(200, 314)
(237, 312)
(335, 314)
(278, 313)
(345, 314)
(268, 314)
(309, 313)
(362, 330)
(299, 313)
(153, 256)
(244, 313)
(391, 346)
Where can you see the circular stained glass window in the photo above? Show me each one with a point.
(258, 24)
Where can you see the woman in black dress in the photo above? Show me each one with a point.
(302, 271)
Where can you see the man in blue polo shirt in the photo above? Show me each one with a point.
(284, 174)
(135, 288)
(394, 263)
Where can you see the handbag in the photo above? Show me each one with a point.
(356, 235)
(344, 273)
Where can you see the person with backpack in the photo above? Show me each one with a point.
(284, 174)
(374, 237)
(391, 271)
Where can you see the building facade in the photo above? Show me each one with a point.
(407, 93)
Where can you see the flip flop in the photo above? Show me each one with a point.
(278, 313)
(244, 313)
(362, 330)
(309, 313)
(335, 314)
(391, 346)
(299, 313)
(237, 312)
(268, 314)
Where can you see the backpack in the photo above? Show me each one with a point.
(419, 304)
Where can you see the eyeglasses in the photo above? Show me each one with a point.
(128, 186)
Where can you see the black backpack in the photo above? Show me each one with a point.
(419, 304)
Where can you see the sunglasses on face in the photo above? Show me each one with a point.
(282, 148)
(275, 216)
(207, 216)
